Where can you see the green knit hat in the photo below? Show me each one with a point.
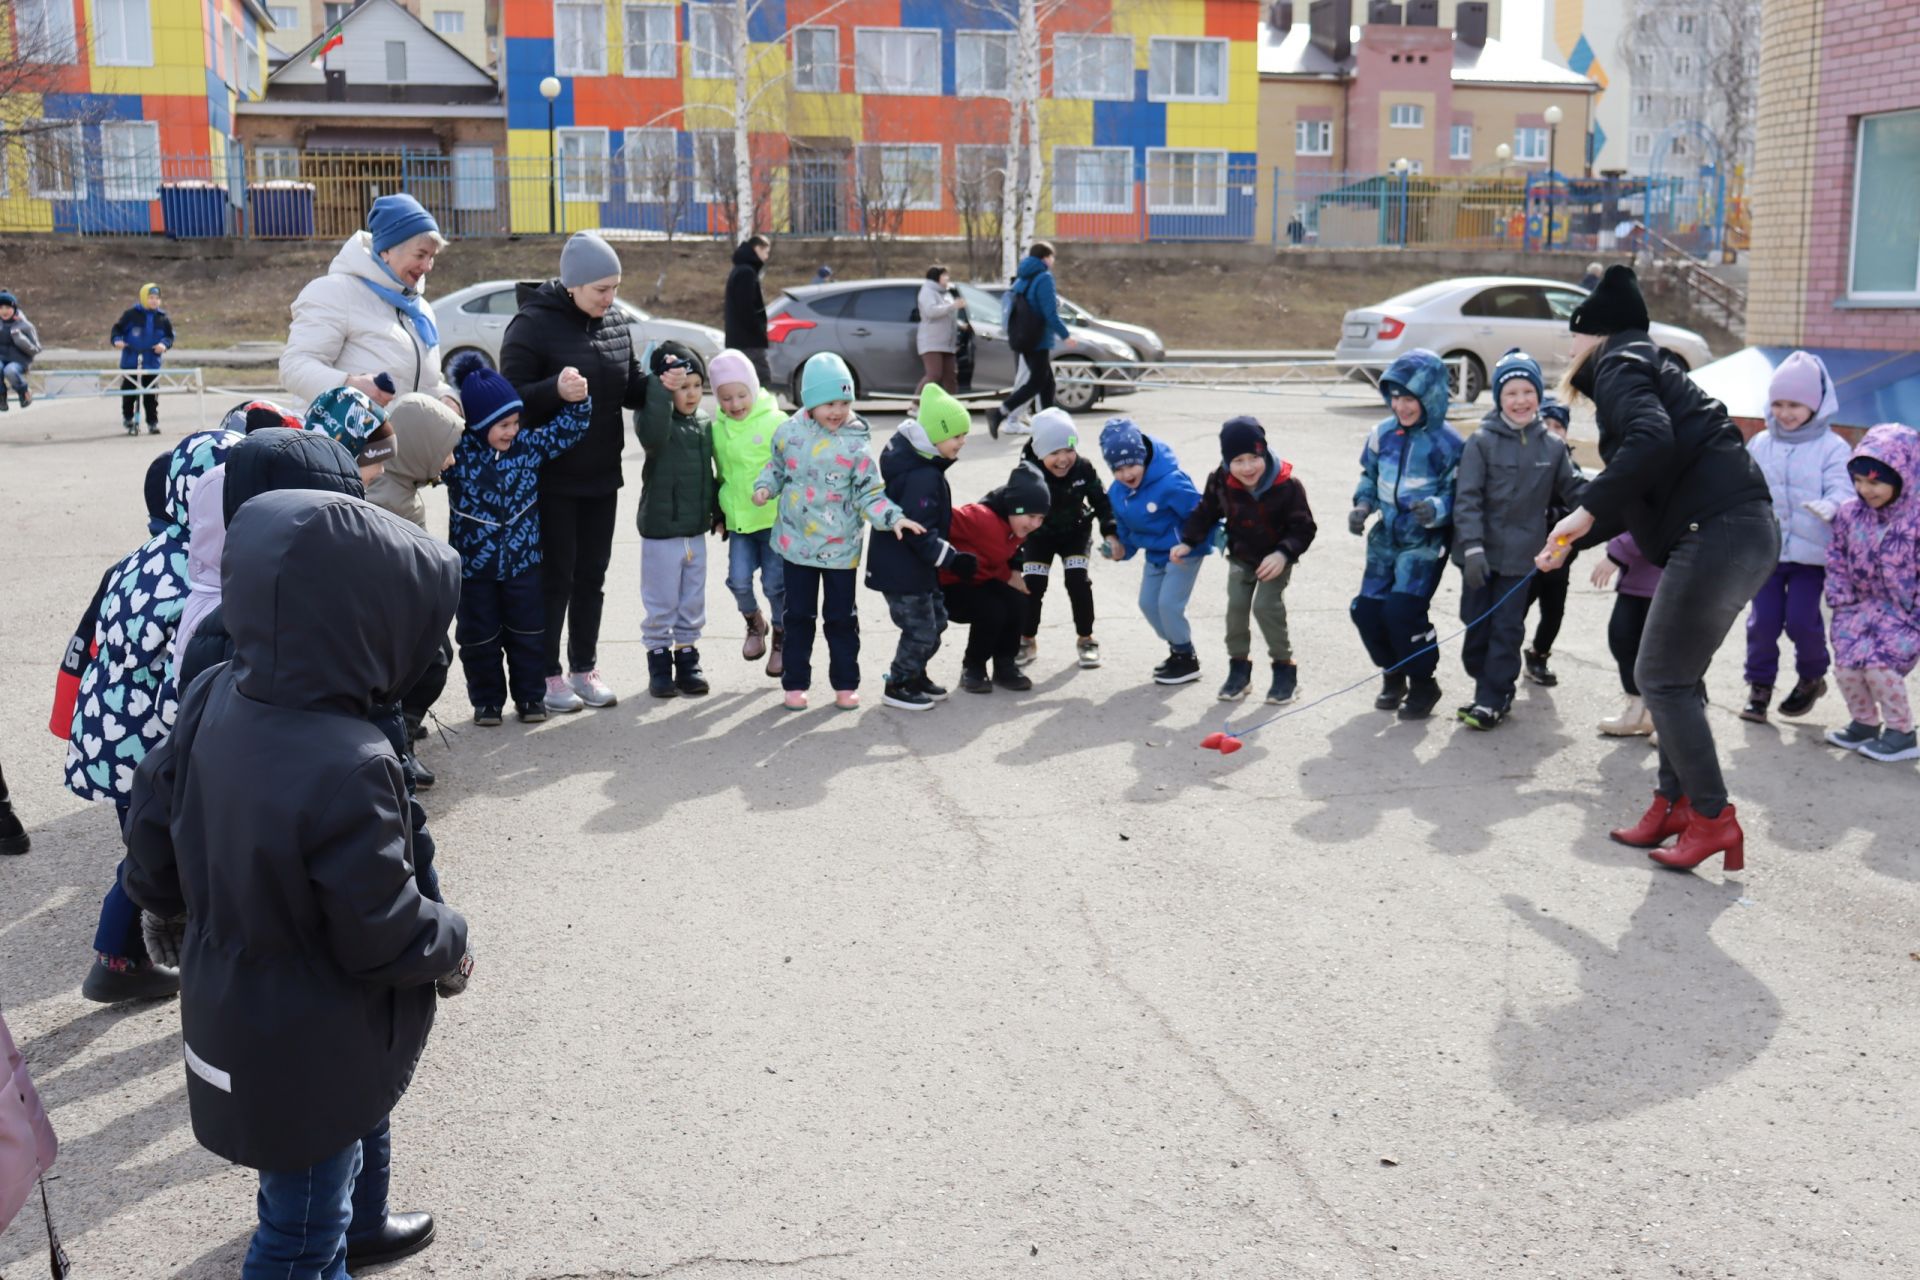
(941, 416)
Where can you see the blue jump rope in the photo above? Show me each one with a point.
(1226, 741)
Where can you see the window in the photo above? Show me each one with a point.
(1093, 179)
(1093, 67)
(451, 22)
(1563, 302)
(130, 160)
(650, 40)
(579, 38)
(54, 159)
(473, 178)
(652, 163)
(583, 163)
(714, 178)
(1683, 24)
(276, 164)
(1508, 302)
(1313, 137)
(900, 177)
(1186, 70)
(284, 19)
(979, 177)
(1460, 142)
(1642, 104)
(501, 302)
(1683, 64)
(1407, 115)
(1642, 145)
(396, 61)
(816, 60)
(1886, 236)
(231, 42)
(887, 61)
(1645, 61)
(889, 302)
(981, 62)
(1530, 144)
(250, 72)
(336, 13)
(1186, 181)
(710, 32)
(45, 29)
(123, 33)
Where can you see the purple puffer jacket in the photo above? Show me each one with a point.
(1873, 564)
(27, 1146)
(1639, 576)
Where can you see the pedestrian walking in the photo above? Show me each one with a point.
(142, 335)
(1033, 327)
(745, 310)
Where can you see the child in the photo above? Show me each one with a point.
(1639, 579)
(493, 489)
(1269, 527)
(425, 432)
(308, 954)
(1151, 497)
(19, 344)
(992, 598)
(1511, 471)
(351, 418)
(907, 570)
(1077, 501)
(1406, 473)
(679, 504)
(1549, 590)
(826, 483)
(1806, 468)
(142, 335)
(742, 442)
(1873, 584)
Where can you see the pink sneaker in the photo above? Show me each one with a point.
(846, 700)
(796, 700)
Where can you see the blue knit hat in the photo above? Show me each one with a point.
(1556, 410)
(826, 380)
(1518, 364)
(397, 219)
(8, 300)
(1122, 445)
(485, 396)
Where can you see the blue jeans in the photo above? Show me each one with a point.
(16, 375)
(1164, 592)
(307, 1215)
(747, 552)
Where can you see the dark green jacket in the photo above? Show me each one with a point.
(679, 494)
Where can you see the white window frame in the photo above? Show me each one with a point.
(1305, 132)
(469, 187)
(830, 69)
(869, 152)
(1221, 48)
(713, 49)
(285, 17)
(75, 162)
(335, 12)
(1407, 115)
(232, 39)
(1532, 144)
(870, 76)
(46, 27)
(984, 39)
(130, 174)
(1165, 205)
(1641, 146)
(250, 41)
(586, 56)
(1683, 64)
(568, 190)
(641, 186)
(276, 162)
(1684, 24)
(123, 33)
(1069, 52)
(1910, 296)
(654, 67)
(1074, 202)
(1456, 136)
(456, 20)
(707, 180)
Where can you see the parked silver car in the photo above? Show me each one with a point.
(475, 319)
(874, 326)
(1480, 318)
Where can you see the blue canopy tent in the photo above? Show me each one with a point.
(1873, 386)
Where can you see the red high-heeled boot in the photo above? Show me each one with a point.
(1663, 820)
(1705, 837)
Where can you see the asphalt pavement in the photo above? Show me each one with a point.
(1033, 985)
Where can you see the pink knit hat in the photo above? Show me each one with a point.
(732, 366)
(1801, 379)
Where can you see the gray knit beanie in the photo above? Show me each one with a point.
(587, 258)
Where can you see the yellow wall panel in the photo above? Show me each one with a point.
(821, 115)
(1143, 18)
(1066, 123)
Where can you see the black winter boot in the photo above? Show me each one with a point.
(1537, 669)
(1759, 698)
(686, 672)
(1286, 684)
(1393, 692)
(13, 836)
(1239, 679)
(1423, 695)
(660, 673)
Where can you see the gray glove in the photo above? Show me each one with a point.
(1473, 567)
(1426, 513)
(456, 982)
(1357, 520)
(163, 937)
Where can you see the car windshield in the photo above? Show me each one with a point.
(981, 305)
(1424, 294)
(1070, 313)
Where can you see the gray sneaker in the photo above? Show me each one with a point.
(591, 688)
(1891, 747)
(1854, 736)
(561, 698)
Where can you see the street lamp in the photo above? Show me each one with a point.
(1553, 116)
(550, 89)
(1403, 167)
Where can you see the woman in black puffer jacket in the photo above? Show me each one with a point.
(571, 322)
(1679, 478)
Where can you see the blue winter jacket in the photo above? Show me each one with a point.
(1035, 281)
(494, 496)
(142, 329)
(1400, 468)
(1149, 518)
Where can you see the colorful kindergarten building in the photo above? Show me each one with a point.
(1149, 114)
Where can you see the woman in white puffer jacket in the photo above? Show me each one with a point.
(368, 315)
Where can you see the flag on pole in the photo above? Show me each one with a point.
(334, 38)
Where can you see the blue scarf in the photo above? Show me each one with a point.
(407, 301)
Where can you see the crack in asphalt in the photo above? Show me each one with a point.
(703, 1260)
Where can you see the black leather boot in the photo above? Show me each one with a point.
(687, 676)
(400, 1236)
(660, 673)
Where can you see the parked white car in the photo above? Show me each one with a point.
(475, 319)
(1480, 318)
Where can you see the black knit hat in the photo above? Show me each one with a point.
(1242, 435)
(684, 356)
(1615, 306)
(1024, 494)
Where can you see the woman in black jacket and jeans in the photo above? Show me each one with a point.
(1679, 478)
(571, 322)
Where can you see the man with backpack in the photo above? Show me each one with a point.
(1033, 326)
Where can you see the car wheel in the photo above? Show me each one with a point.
(799, 376)
(1474, 376)
(1075, 397)
(446, 361)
